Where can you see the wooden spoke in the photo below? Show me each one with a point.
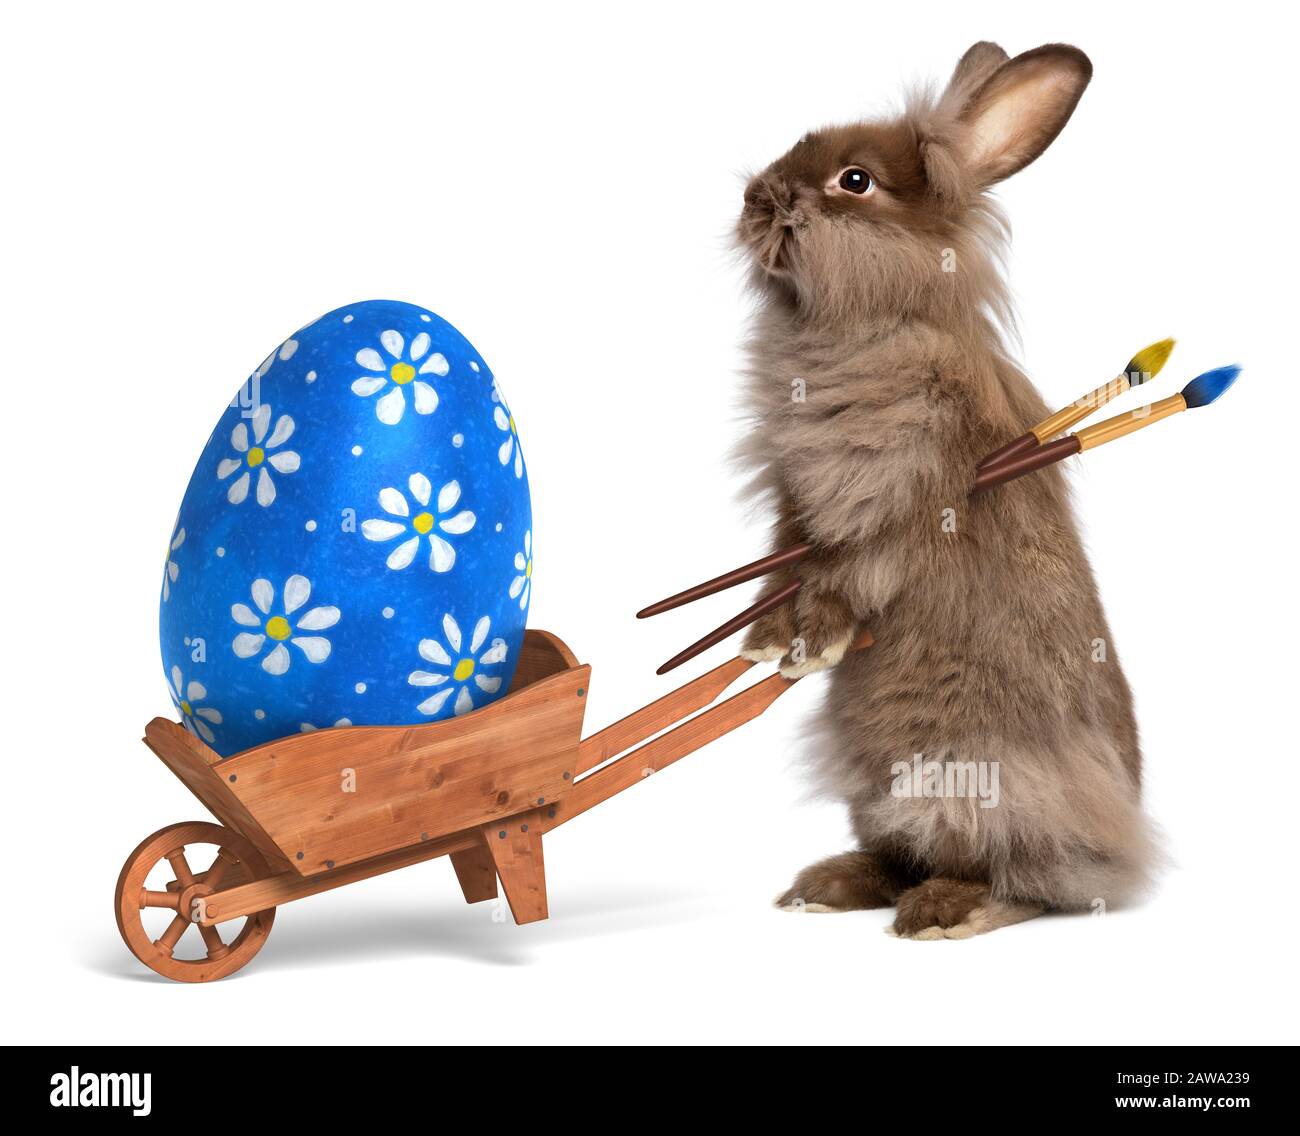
(212, 940)
(220, 866)
(238, 862)
(171, 899)
(167, 941)
(176, 859)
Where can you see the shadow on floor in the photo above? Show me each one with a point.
(307, 936)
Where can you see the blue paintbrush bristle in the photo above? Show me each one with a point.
(1204, 389)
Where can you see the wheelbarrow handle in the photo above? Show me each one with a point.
(657, 754)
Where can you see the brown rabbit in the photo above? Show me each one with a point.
(878, 381)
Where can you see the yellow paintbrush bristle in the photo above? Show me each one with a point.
(1146, 364)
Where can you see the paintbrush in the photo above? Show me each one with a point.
(782, 558)
(1201, 391)
(734, 624)
(1143, 367)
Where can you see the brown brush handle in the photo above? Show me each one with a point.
(734, 624)
(1027, 441)
(1022, 464)
(781, 558)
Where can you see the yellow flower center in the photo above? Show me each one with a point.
(185, 709)
(402, 373)
(256, 456)
(463, 670)
(423, 522)
(528, 569)
(277, 627)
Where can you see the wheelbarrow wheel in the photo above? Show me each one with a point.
(237, 861)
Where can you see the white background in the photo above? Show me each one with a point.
(185, 186)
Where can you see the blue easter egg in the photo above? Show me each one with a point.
(355, 545)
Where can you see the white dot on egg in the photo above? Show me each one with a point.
(458, 440)
(259, 714)
(498, 526)
(388, 613)
(426, 319)
(187, 640)
(311, 376)
(473, 366)
(360, 688)
(221, 552)
(311, 526)
(356, 451)
(347, 319)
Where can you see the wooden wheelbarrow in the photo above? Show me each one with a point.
(314, 811)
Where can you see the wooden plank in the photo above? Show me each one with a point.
(516, 849)
(232, 902)
(477, 873)
(542, 655)
(336, 797)
(650, 758)
(198, 768)
(659, 715)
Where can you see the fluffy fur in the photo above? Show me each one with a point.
(877, 381)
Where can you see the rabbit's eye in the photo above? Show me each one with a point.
(856, 180)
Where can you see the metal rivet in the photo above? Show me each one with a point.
(424, 836)
(329, 863)
(299, 855)
(550, 813)
(566, 774)
(541, 800)
(501, 835)
(523, 828)
(232, 776)
(581, 692)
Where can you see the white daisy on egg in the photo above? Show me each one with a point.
(506, 421)
(522, 584)
(277, 628)
(257, 456)
(399, 368)
(171, 570)
(462, 669)
(308, 728)
(284, 352)
(187, 697)
(422, 523)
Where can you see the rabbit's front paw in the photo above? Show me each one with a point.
(799, 662)
(769, 638)
(825, 629)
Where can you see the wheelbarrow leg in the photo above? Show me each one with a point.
(476, 872)
(515, 846)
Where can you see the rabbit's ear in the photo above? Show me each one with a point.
(973, 68)
(1014, 115)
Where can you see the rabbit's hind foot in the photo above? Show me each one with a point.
(940, 908)
(851, 881)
